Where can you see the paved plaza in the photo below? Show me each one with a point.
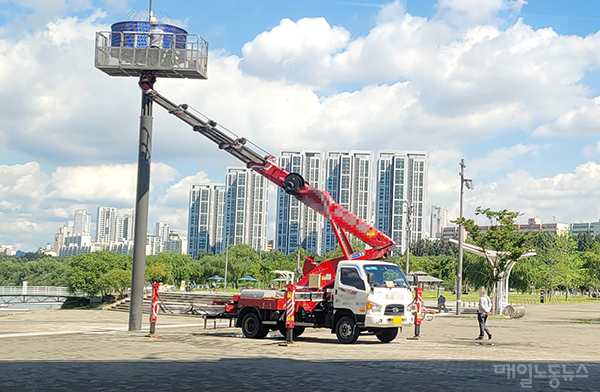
(90, 350)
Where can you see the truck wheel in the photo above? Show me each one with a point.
(387, 335)
(297, 331)
(252, 327)
(346, 330)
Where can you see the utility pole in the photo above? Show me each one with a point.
(226, 263)
(409, 207)
(298, 257)
(138, 270)
(460, 241)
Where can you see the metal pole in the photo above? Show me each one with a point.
(141, 211)
(408, 234)
(226, 263)
(460, 242)
(298, 263)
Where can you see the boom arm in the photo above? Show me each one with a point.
(264, 163)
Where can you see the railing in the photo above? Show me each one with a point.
(39, 291)
(132, 53)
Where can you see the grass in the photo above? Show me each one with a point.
(514, 297)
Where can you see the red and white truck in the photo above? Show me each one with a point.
(356, 293)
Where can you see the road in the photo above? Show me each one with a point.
(90, 350)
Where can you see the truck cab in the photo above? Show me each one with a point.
(370, 296)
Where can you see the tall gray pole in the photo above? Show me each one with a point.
(460, 242)
(408, 235)
(226, 264)
(141, 213)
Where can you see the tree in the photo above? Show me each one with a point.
(591, 263)
(558, 252)
(11, 273)
(428, 247)
(585, 241)
(181, 267)
(118, 280)
(86, 269)
(441, 267)
(157, 273)
(501, 236)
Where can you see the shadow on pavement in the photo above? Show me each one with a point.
(272, 374)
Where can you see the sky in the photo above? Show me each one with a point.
(511, 86)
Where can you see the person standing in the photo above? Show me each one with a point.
(484, 310)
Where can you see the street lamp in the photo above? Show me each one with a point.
(464, 182)
(226, 262)
(409, 210)
(298, 271)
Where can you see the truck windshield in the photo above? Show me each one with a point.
(385, 276)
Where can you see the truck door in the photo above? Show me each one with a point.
(350, 292)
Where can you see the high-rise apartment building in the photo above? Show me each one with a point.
(439, 220)
(82, 223)
(245, 208)
(162, 231)
(124, 229)
(205, 221)
(401, 178)
(298, 225)
(175, 243)
(377, 189)
(106, 225)
(349, 181)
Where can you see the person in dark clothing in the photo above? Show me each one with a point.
(442, 303)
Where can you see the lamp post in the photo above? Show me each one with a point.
(469, 184)
(298, 271)
(226, 263)
(409, 207)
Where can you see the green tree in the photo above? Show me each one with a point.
(86, 269)
(502, 236)
(157, 273)
(181, 267)
(11, 273)
(591, 263)
(585, 241)
(115, 280)
(558, 252)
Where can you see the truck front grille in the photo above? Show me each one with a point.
(394, 310)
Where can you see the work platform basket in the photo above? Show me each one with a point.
(136, 48)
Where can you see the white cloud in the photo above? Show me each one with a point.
(295, 48)
(592, 151)
(110, 183)
(500, 158)
(570, 196)
(469, 12)
(581, 121)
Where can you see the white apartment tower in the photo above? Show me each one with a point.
(106, 225)
(401, 178)
(298, 225)
(349, 181)
(162, 230)
(246, 208)
(124, 229)
(439, 220)
(82, 223)
(205, 222)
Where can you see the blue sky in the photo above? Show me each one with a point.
(509, 85)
